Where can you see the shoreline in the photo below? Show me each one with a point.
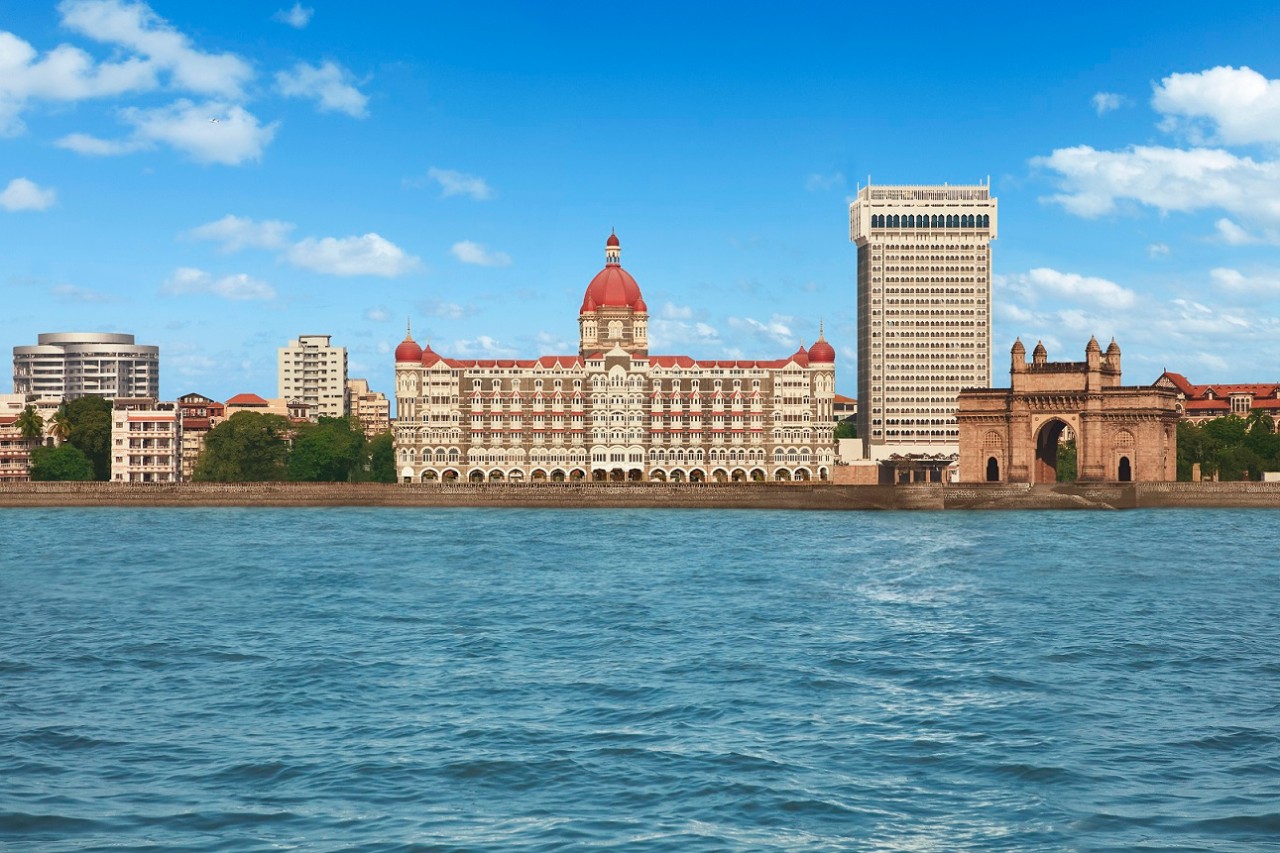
(922, 496)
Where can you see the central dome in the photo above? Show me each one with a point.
(613, 287)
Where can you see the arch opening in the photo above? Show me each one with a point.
(1047, 440)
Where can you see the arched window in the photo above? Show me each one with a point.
(986, 220)
(993, 470)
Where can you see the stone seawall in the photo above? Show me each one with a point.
(647, 495)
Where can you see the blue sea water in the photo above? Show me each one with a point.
(530, 680)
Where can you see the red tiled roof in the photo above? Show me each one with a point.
(1207, 405)
(246, 400)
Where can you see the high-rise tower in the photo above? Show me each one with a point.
(924, 311)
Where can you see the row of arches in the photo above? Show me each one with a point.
(936, 220)
(1048, 440)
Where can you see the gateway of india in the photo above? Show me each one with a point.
(613, 412)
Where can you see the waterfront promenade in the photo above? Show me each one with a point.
(648, 495)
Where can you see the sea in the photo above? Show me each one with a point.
(649, 680)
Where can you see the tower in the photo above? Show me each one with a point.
(613, 312)
(924, 311)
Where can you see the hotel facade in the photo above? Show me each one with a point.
(613, 411)
(924, 312)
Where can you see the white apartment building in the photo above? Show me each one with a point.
(146, 441)
(314, 372)
(924, 311)
(69, 365)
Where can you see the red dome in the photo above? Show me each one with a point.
(408, 350)
(640, 306)
(801, 357)
(429, 357)
(822, 352)
(613, 287)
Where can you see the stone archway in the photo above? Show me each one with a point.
(1046, 466)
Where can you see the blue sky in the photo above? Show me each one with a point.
(462, 167)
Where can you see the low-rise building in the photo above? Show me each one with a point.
(146, 441)
(371, 408)
(1200, 403)
(199, 415)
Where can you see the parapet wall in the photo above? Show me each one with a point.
(932, 496)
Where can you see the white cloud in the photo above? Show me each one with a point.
(445, 310)
(240, 287)
(377, 315)
(819, 183)
(369, 254)
(1105, 102)
(297, 17)
(1168, 179)
(1158, 250)
(1237, 282)
(71, 293)
(671, 311)
(65, 73)
(328, 84)
(238, 232)
(550, 343)
(483, 347)
(456, 183)
(1098, 291)
(777, 329)
(213, 132)
(665, 333)
(1234, 106)
(1232, 234)
(474, 253)
(23, 194)
(136, 27)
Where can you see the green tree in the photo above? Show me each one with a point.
(1067, 461)
(30, 423)
(65, 462)
(847, 429)
(90, 431)
(382, 458)
(248, 447)
(1195, 445)
(60, 425)
(331, 451)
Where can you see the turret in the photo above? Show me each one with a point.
(1018, 357)
(1040, 355)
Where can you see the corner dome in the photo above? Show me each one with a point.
(801, 356)
(408, 350)
(822, 352)
(613, 287)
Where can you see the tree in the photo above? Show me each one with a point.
(1067, 472)
(30, 423)
(65, 462)
(90, 431)
(847, 429)
(382, 458)
(60, 425)
(248, 447)
(331, 451)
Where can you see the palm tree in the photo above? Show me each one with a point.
(29, 423)
(60, 425)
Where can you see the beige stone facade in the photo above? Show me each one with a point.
(924, 312)
(69, 365)
(1122, 434)
(613, 411)
(313, 371)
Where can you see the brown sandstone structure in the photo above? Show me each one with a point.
(1122, 434)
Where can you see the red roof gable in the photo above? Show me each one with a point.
(247, 400)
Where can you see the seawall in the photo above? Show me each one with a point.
(931, 496)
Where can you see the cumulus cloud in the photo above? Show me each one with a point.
(328, 84)
(297, 17)
(1158, 250)
(24, 194)
(1105, 102)
(369, 254)
(238, 232)
(1232, 106)
(135, 27)
(1234, 281)
(671, 311)
(776, 330)
(213, 132)
(452, 183)
(819, 183)
(239, 287)
(474, 253)
(377, 315)
(483, 347)
(1232, 234)
(1097, 291)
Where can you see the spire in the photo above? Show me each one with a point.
(408, 328)
(612, 250)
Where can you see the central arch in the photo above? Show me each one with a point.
(1046, 467)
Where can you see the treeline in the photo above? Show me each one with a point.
(251, 447)
(1232, 447)
(83, 430)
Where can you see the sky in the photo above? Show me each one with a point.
(219, 178)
